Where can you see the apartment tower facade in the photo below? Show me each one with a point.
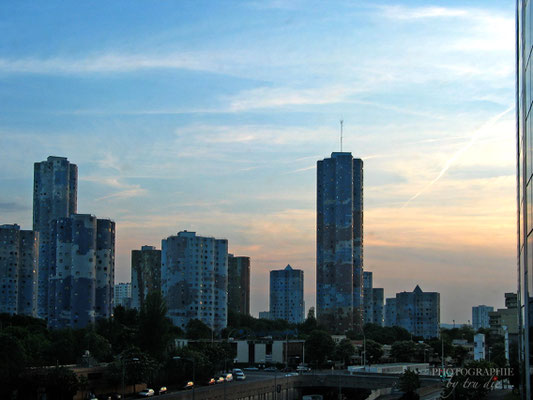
(55, 187)
(340, 242)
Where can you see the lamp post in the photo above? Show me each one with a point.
(193, 371)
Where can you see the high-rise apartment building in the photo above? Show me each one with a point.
(194, 279)
(340, 242)
(524, 99)
(287, 295)
(145, 274)
(82, 270)
(419, 312)
(390, 312)
(480, 316)
(239, 284)
(368, 313)
(19, 257)
(377, 306)
(122, 295)
(54, 196)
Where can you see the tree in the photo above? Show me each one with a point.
(12, 361)
(408, 383)
(61, 383)
(154, 326)
(460, 353)
(196, 329)
(98, 346)
(403, 350)
(344, 351)
(374, 351)
(319, 347)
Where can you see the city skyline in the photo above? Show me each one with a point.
(242, 101)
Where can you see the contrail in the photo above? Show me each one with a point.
(449, 163)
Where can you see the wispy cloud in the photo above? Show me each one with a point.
(406, 13)
(123, 190)
(459, 152)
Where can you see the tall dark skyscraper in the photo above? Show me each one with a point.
(55, 188)
(524, 99)
(239, 284)
(340, 242)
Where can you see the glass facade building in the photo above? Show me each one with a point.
(287, 295)
(524, 96)
(339, 249)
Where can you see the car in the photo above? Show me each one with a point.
(228, 377)
(189, 385)
(146, 393)
(162, 390)
(220, 379)
(110, 396)
(239, 375)
(251, 369)
(302, 368)
(271, 369)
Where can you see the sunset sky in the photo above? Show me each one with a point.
(210, 116)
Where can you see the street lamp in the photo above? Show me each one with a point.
(193, 371)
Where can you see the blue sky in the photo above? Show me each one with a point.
(210, 116)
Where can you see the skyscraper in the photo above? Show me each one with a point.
(82, 270)
(122, 294)
(19, 256)
(367, 297)
(340, 242)
(145, 274)
(419, 312)
(54, 196)
(194, 279)
(390, 312)
(378, 295)
(287, 295)
(524, 99)
(239, 284)
(480, 316)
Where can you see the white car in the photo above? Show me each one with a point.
(146, 393)
(239, 375)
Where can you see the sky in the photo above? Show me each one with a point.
(210, 116)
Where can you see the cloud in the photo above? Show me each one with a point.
(105, 63)
(125, 190)
(409, 13)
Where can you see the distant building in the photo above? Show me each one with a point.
(82, 271)
(339, 263)
(264, 314)
(194, 279)
(419, 312)
(377, 306)
(55, 186)
(145, 274)
(480, 316)
(122, 295)
(19, 258)
(368, 314)
(506, 317)
(239, 284)
(479, 347)
(390, 312)
(287, 295)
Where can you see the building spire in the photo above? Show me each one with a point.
(342, 123)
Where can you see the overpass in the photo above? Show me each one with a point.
(281, 387)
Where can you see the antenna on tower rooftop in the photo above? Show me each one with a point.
(342, 123)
